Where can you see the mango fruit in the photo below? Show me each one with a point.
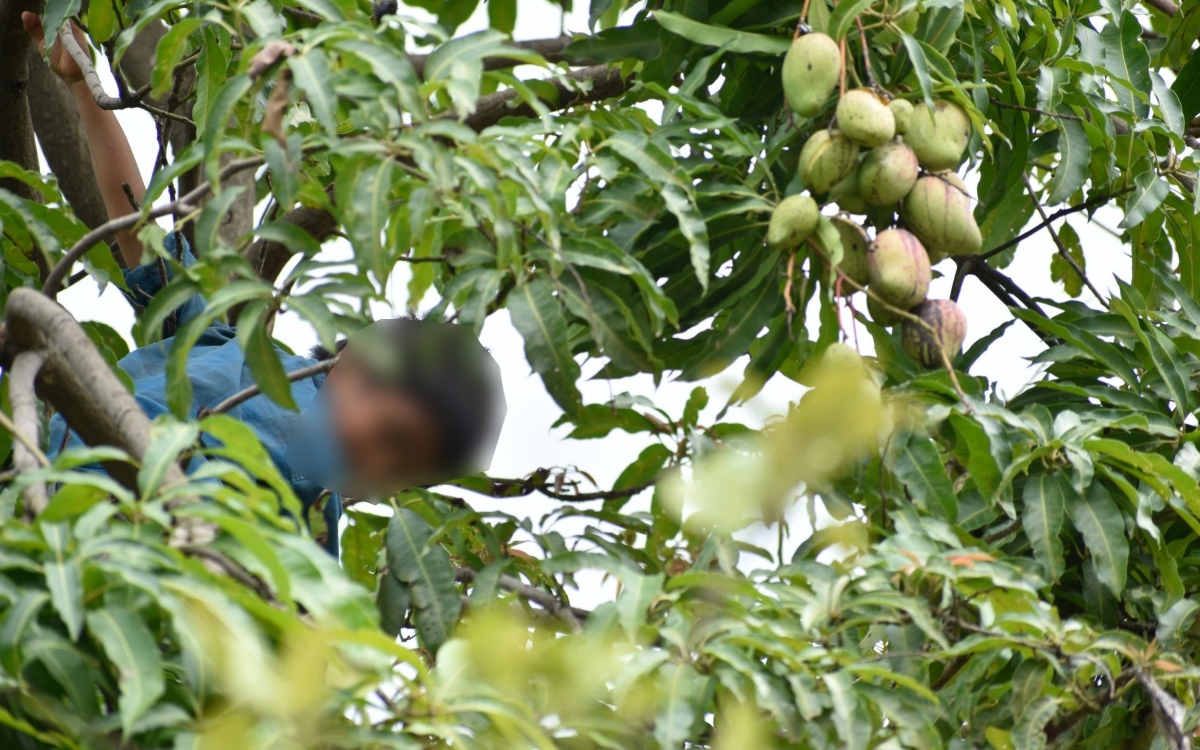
(854, 251)
(792, 221)
(845, 195)
(939, 137)
(887, 174)
(881, 314)
(947, 320)
(899, 268)
(902, 111)
(938, 211)
(864, 117)
(812, 68)
(826, 159)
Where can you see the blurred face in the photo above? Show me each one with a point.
(385, 433)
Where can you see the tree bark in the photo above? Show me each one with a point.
(16, 133)
(76, 380)
(60, 132)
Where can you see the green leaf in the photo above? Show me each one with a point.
(731, 40)
(426, 568)
(1102, 525)
(393, 601)
(468, 50)
(210, 129)
(916, 55)
(1076, 158)
(1045, 500)
(170, 51)
(1187, 87)
(212, 65)
(129, 644)
(502, 15)
(1149, 191)
(536, 314)
(680, 690)
(1126, 57)
(70, 669)
(1174, 624)
(263, 359)
(168, 439)
(53, 16)
(938, 26)
(1169, 106)
(641, 41)
(638, 592)
(843, 16)
(66, 594)
(311, 73)
(1030, 731)
(102, 20)
(20, 615)
(915, 461)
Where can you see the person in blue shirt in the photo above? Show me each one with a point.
(408, 402)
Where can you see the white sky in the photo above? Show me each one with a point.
(528, 442)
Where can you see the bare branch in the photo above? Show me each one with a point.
(1093, 202)
(541, 597)
(60, 133)
(77, 381)
(66, 37)
(27, 456)
(1062, 249)
(254, 390)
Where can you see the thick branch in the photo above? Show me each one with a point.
(60, 133)
(601, 82)
(16, 135)
(77, 381)
(26, 455)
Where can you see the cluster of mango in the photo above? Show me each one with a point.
(881, 151)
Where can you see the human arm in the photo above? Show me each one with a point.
(112, 157)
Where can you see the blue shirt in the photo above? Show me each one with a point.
(217, 369)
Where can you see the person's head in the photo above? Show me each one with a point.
(410, 402)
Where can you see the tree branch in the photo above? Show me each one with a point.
(541, 597)
(254, 390)
(27, 456)
(77, 381)
(60, 133)
(1062, 249)
(1093, 202)
(111, 227)
(66, 37)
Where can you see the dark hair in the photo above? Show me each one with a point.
(448, 371)
(321, 354)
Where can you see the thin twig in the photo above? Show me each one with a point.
(232, 568)
(248, 393)
(187, 203)
(1092, 202)
(1062, 248)
(1035, 110)
(541, 597)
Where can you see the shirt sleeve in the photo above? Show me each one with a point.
(148, 279)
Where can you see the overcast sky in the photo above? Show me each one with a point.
(528, 442)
